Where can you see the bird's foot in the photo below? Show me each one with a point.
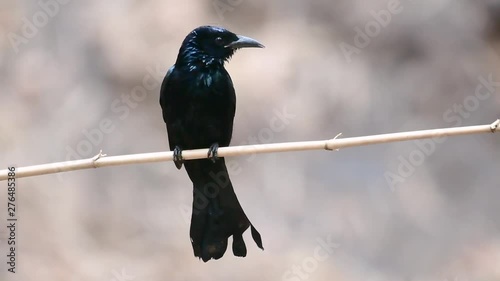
(178, 157)
(212, 152)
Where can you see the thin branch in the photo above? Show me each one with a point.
(101, 160)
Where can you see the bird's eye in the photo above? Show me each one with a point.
(219, 41)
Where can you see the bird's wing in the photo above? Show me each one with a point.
(231, 110)
(166, 102)
(164, 94)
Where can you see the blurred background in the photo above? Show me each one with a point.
(80, 76)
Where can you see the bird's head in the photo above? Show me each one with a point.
(211, 44)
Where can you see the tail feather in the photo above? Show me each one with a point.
(239, 247)
(256, 237)
(217, 213)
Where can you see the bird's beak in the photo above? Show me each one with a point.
(244, 42)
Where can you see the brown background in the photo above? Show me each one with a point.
(439, 223)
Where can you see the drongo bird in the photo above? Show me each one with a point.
(198, 103)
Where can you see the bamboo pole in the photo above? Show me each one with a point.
(101, 160)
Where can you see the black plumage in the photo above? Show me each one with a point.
(198, 102)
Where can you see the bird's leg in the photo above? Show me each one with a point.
(212, 152)
(178, 157)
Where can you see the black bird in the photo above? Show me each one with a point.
(198, 102)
